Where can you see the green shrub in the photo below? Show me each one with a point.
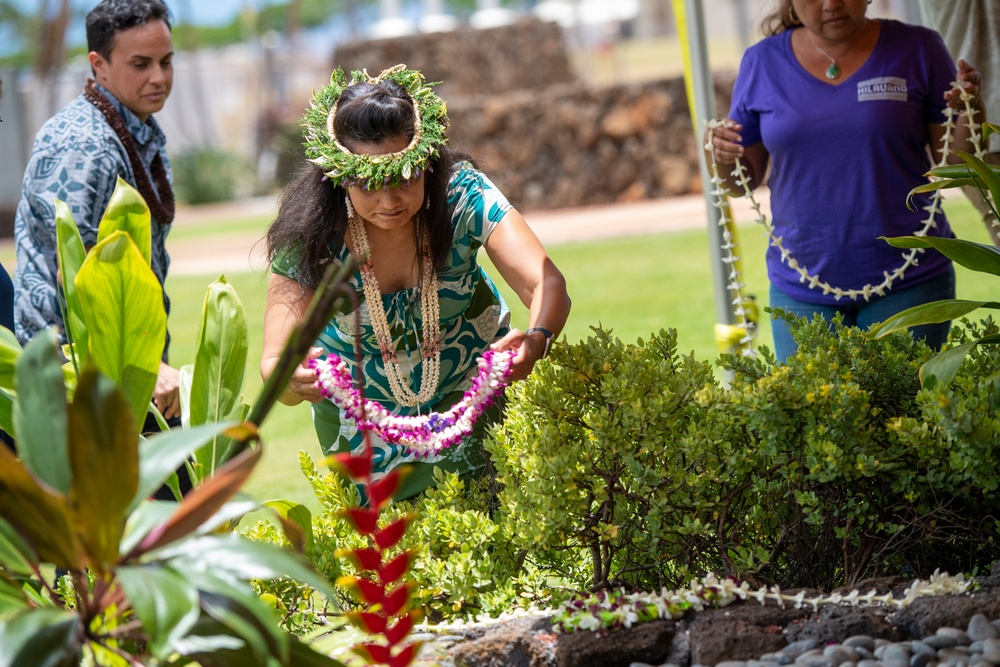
(208, 175)
(593, 459)
(463, 567)
(628, 465)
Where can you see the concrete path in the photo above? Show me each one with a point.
(230, 253)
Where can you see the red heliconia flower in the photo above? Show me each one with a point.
(374, 653)
(363, 559)
(382, 491)
(398, 632)
(368, 591)
(364, 519)
(356, 466)
(396, 601)
(390, 536)
(394, 569)
(404, 657)
(372, 623)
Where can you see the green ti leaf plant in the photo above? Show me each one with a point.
(146, 582)
(942, 368)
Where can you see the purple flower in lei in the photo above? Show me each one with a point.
(422, 435)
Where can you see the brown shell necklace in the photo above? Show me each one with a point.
(161, 200)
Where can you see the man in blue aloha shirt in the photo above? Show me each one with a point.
(106, 132)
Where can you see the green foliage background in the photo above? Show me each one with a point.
(631, 286)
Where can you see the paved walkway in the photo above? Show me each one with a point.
(243, 251)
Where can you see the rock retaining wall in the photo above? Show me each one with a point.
(576, 145)
(546, 139)
(748, 634)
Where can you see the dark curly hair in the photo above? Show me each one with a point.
(312, 213)
(112, 16)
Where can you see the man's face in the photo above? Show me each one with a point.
(140, 70)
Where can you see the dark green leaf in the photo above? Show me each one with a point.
(955, 171)
(41, 638)
(12, 598)
(928, 313)
(122, 305)
(42, 391)
(204, 501)
(971, 255)
(104, 453)
(304, 656)
(989, 175)
(145, 517)
(16, 555)
(162, 454)
(70, 255)
(166, 602)
(943, 366)
(244, 559)
(235, 605)
(40, 515)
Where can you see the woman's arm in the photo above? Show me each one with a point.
(286, 304)
(526, 268)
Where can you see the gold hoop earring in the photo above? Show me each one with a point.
(793, 19)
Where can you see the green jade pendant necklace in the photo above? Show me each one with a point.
(833, 71)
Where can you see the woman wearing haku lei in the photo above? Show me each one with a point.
(383, 187)
(840, 112)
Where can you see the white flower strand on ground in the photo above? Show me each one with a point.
(609, 611)
(597, 611)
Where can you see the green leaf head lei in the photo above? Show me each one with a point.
(341, 166)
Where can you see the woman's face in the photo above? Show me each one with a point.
(831, 20)
(387, 208)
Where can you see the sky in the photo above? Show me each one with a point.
(201, 12)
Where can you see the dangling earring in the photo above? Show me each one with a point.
(350, 208)
(427, 206)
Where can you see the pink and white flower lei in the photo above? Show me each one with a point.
(422, 435)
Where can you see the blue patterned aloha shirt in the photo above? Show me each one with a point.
(473, 315)
(76, 158)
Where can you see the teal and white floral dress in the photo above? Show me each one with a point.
(473, 315)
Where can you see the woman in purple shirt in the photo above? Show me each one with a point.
(838, 111)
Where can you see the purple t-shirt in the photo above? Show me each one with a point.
(845, 157)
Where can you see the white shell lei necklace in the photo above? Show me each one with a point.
(430, 315)
(721, 192)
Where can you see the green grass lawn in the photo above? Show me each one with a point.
(633, 286)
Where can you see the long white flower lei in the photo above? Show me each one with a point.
(422, 435)
(908, 259)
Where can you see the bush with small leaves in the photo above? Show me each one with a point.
(593, 458)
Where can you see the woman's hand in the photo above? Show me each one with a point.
(303, 382)
(529, 350)
(726, 142)
(167, 392)
(970, 81)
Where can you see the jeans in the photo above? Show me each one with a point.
(863, 314)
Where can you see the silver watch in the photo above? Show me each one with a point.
(548, 338)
